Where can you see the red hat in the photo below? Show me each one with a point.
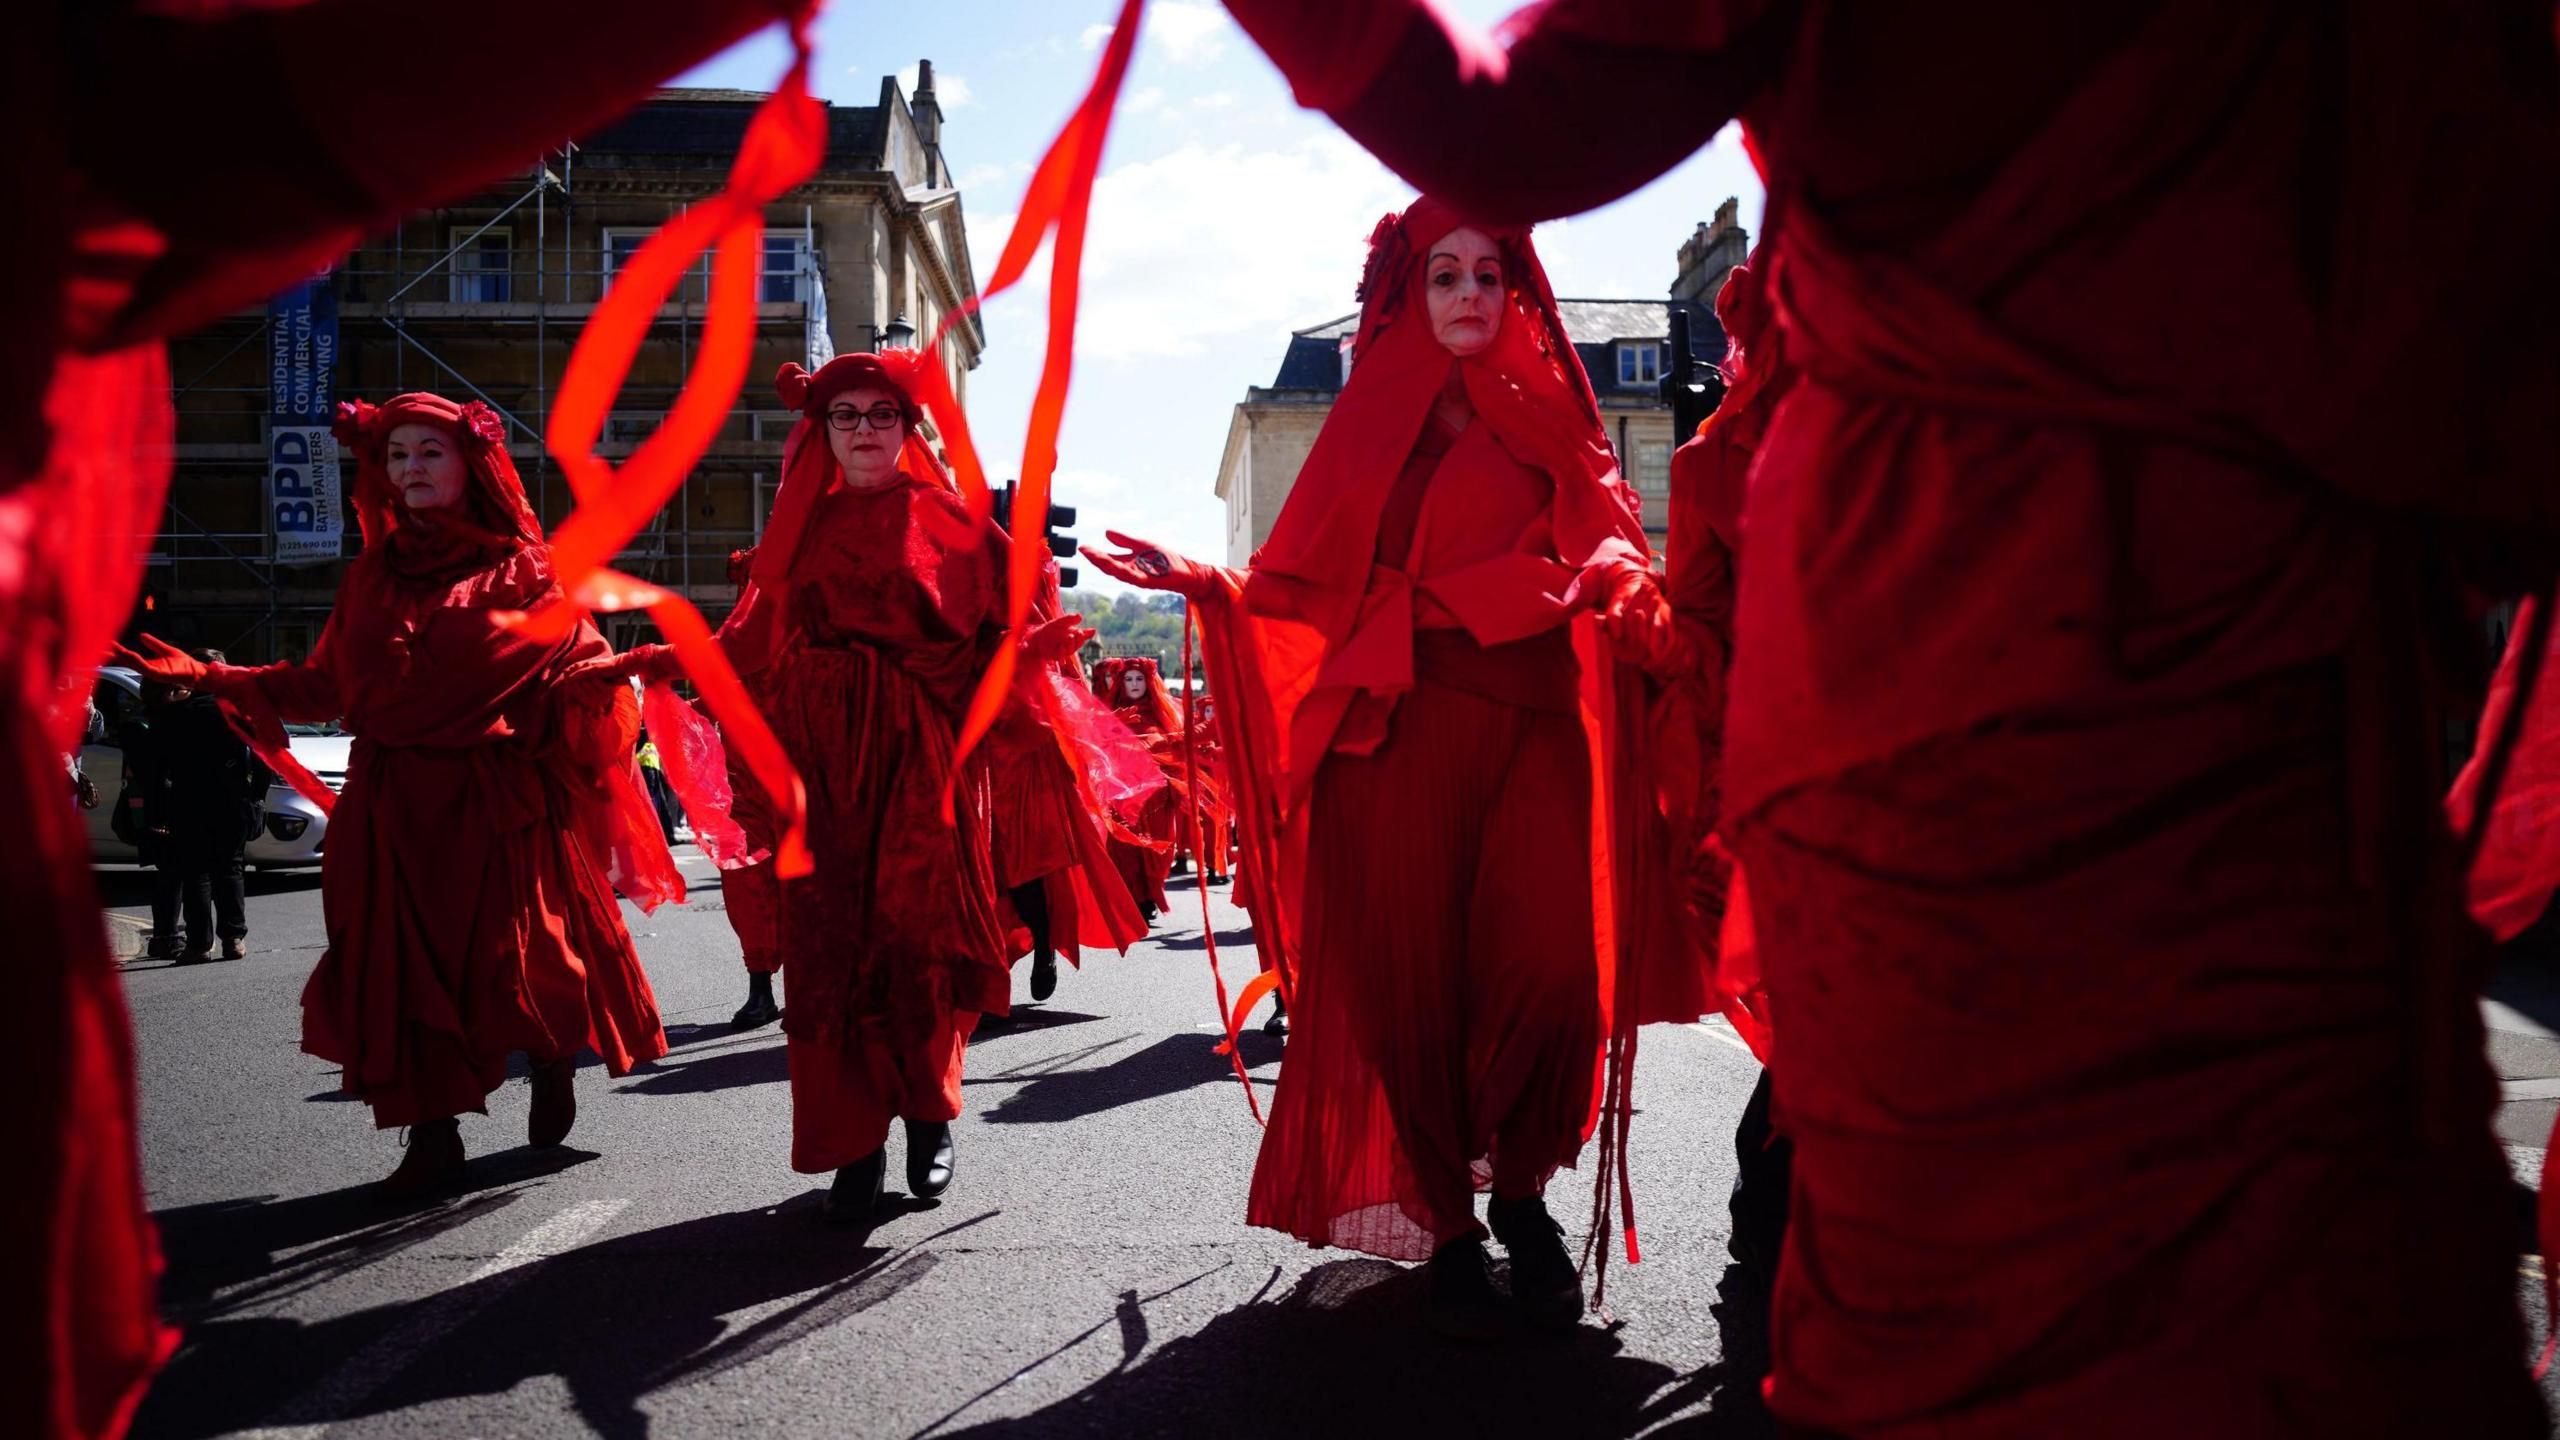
(893, 372)
(496, 503)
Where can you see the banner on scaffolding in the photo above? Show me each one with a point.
(302, 456)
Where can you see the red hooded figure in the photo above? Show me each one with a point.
(1133, 686)
(490, 807)
(1414, 771)
(868, 621)
(2161, 369)
(1055, 756)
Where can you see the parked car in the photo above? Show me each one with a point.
(294, 831)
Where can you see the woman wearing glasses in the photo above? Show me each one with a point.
(870, 628)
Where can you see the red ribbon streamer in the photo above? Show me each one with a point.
(783, 146)
(1060, 198)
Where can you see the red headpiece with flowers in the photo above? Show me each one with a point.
(495, 506)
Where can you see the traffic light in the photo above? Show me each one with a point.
(1061, 545)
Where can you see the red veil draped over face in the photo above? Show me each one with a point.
(1313, 647)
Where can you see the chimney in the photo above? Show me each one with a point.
(1710, 251)
(927, 107)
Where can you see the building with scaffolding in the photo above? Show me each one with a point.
(485, 299)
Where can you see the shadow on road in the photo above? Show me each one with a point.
(1354, 1328)
(615, 1321)
(1238, 940)
(1171, 1065)
(720, 1070)
(1027, 1018)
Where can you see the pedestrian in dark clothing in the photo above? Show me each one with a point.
(662, 793)
(193, 794)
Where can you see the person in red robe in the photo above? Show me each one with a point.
(2162, 365)
(1059, 881)
(466, 890)
(873, 611)
(137, 227)
(1134, 688)
(750, 893)
(1460, 508)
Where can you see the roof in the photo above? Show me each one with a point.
(1313, 360)
(714, 123)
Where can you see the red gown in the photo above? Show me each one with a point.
(2083, 725)
(891, 947)
(135, 229)
(1156, 823)
(444, 957)
(1405, 704)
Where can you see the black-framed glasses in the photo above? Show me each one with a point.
(882, 417)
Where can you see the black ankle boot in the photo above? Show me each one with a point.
(1544, 1283)
(431, 1164)
(855, 1195)
(759, 1009)
(1464, 1304)
(1277, 1022)
(930, 1156)
(1044, 976)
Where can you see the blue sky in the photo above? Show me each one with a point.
(1225, 218)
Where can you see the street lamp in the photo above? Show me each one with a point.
(896, 335)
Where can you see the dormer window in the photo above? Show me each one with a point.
(1639, 362)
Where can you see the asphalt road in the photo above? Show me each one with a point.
(666, 1273)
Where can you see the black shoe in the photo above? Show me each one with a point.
(1181, 865)
(1464, 1304)
(1544, 1283)
(1044, 976)
(929, 1158)
(194, 956)
(855, 1195)
(759, 1009)
(1277, 1022)
(1147, 911)
(431, 1164)
(1215, 880)
(555, 1102)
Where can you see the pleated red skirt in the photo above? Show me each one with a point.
(1447, 1026)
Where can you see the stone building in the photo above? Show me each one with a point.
(486, 298)
(1624, 345)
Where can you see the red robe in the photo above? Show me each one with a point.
(136, 228)
(875, 636)
(1153, 828)
(1411, 730)
(445, 956)
(2082, 722)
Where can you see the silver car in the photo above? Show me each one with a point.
(294, 831)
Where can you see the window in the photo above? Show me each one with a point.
(1653, 467)
(484, 268)
(622, 242)
(1639, 362)
(787, 269)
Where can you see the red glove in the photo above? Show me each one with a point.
(1639, 623)
(165, 664)
(1150, 566)
(1054, 640)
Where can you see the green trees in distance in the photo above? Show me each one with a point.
(1132, 623)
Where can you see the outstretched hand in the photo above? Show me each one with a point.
(1150, 566)
(165, 663)
(1055, 639)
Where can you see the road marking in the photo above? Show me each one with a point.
(2539, 1088)
(136, 921)
(1722, 1029)
(310, 1415)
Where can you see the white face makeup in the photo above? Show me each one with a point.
(1133, 684)
(866, 430)
(1462, 290)
(426, 466)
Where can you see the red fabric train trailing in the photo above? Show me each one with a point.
(782, 148)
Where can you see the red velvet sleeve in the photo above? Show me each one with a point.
(1489, 126)
(248, 137)
(305, 690)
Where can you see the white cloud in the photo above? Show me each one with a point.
(1141, 102)
(1209, 242)
(1192, 33)
(952, 90)
(1189, 32)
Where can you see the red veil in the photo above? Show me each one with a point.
(1312, 648)
(1157, 705)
